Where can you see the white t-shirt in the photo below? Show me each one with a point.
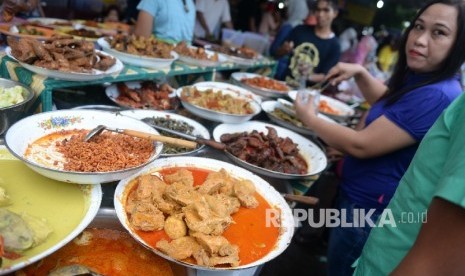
(215, 12)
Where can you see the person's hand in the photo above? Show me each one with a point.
(333, 155)
(305, 108)
(287, 47)
(343, 71)
(8, 10)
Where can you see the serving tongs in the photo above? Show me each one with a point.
(321, 86)
(140, 134)
(308, 200)
(197, 139)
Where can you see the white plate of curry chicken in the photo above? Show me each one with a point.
(205, 214)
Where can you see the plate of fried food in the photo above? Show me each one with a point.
(271, 150)
(283, 113)
(205, 214)
(31, 228)
(63, 58)
(331, 107)
(26, 30)
(174, 122)
(219, 102)
(239, 55)
(52, 144)
(143, 95)
(139, 51)
(198, 56)
(260, 85)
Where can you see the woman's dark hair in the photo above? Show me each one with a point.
(313, 4)
(450, 66)
(107, 11)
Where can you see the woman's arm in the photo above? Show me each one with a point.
(439, 247)
(371, 88)
(203, 23)
(144, 25)
(374, 140)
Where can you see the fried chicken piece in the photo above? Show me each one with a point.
(22, 49)
(146, 217)
(40, 50)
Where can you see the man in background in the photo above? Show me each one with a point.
(211, 15)
(313, 47)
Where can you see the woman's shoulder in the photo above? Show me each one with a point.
(449, 89)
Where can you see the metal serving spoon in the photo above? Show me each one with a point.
(309, 200)
(140, 134)
(200, 140)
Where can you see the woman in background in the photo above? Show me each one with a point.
(172, 21)
(424, 82)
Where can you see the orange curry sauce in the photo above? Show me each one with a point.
(249, 231)
(110, 252)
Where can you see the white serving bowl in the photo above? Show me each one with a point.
(269, 193)
(29, 129)
(237, 78)
(217, 116)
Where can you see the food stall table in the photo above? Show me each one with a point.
(43, 86)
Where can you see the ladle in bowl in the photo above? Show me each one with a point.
(140, 134)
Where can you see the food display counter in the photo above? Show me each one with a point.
(43, 86)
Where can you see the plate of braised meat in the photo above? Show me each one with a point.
(270, 150)
(143, 95)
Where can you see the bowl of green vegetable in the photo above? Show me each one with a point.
(15, 99)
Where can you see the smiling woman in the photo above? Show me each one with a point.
(424, 82)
